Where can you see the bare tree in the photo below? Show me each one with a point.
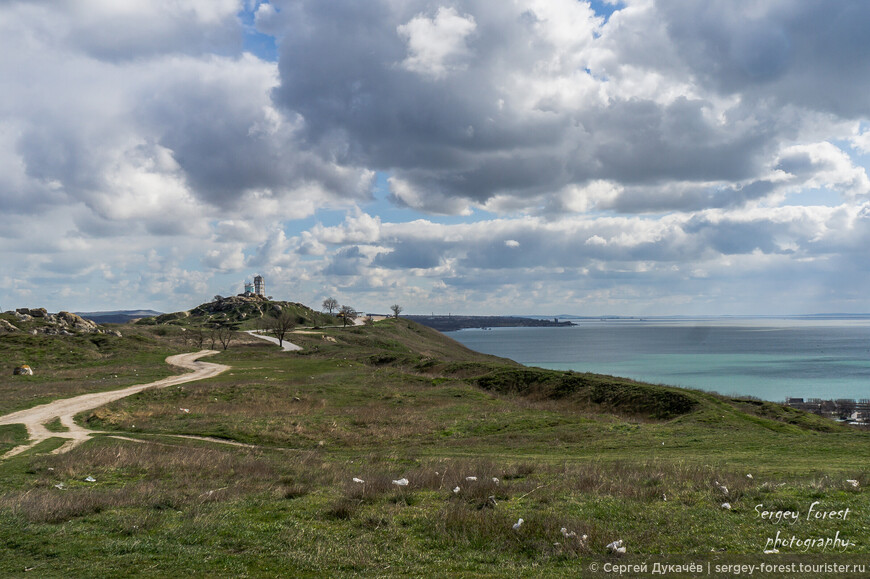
(397, 309)
(347, 314)
(197, 335)
(225, 335)
(330, 304)
(281, 326)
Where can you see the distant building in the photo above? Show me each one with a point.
(257, 288)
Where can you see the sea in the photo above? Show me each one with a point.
(825, 357)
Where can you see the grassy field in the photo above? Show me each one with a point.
(66, 366)
(482, 442)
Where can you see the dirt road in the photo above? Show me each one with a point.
(286, 346)
(35, 418)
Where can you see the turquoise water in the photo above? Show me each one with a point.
(768, 358)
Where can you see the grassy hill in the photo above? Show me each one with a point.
(76, 362)
(599, 456)
(241, 313)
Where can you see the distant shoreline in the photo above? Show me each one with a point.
(452, 323)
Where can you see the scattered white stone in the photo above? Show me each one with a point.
(90, 479)
(518, 524)
(726, 506)
(853, 482)
(664, 497)
(748, 476)
(771, 552)
(60, 486)
(495, 480)
(724, 489)
(185, 410)
(358, 480)
(471, 478)
(616, 547)
(567, 534)
(402, 482)
(456, 490)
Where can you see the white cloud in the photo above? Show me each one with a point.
(358, 227)
(823, 165)
(437, 46)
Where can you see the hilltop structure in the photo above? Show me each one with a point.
(257, 288)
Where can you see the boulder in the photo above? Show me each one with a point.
(7, 327)
(76, 322)
(23, 317)
(23, 370)
(37, 312)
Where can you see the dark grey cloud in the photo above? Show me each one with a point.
(347, 261)
(412, 255)
(810, 53)
(502, 123)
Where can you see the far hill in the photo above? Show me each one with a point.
(117, 316)
(242, 313)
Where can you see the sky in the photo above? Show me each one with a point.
(630, 157)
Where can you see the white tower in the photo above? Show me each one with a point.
(259, 286)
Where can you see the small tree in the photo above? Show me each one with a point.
(347, 314)
(197, 335)
(225, 335)
(213, 337)
(397, 309)
(281, 326)
(330, 304)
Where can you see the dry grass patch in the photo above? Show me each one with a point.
(155, 475)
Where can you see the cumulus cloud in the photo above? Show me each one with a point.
(823, 165)
(601, 258)
(576, 157)
(551, 97)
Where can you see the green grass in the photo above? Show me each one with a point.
(600, 456)
(66, 366)
(56, 426)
